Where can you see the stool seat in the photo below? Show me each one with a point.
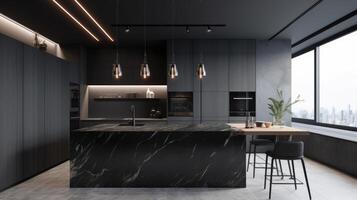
(261, 142)
(282, 157)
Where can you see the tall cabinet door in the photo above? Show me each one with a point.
(64, 112)
(11, 85)
(242, 65)
(52, 109)
(214, 55)
(34, 111)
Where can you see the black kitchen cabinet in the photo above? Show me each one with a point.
(34, 117)
(242, 65)
(214, 55)
(183, 60)
(34, 111)
(11, 87)
(46, 111)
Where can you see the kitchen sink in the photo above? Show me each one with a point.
(128, 124)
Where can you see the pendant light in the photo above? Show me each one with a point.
(173, 73)
(201, 71)
(144, 68)
(117, 72)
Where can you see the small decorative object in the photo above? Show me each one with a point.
(259, 124)
(278, 107)
(148, 91)
(267, 124)
(40, 45)
(249, 121)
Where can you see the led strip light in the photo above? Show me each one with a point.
(24, 28)
(74, 19)
(92, 18)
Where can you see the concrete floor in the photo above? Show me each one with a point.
(326, 184)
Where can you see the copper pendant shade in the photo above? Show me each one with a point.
(201, 71)
(144, 70)
(117, 73)
(173, 73)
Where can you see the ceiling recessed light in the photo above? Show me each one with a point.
(187, 29)
(127, 29)
(90, 16)
(74, 19)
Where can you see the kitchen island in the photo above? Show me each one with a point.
(158, 154)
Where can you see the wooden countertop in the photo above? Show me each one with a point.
(274, 131)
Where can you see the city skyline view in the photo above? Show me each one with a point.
(337, 78)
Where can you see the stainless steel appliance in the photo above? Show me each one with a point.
(241, 103)
(180, 104)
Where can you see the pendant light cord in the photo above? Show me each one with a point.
(116, 32)
(145, 55)
(172, 31)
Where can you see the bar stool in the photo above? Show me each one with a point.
(290, 151)
(259, 141)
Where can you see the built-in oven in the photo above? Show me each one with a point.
(180, 104)
(241, 103)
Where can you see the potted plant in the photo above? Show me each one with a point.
(278, 107)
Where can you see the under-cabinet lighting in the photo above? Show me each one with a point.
(127, 86)
(95, 21)
(74, 19)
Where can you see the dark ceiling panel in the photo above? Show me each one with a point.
(325, 13)
(245, 19)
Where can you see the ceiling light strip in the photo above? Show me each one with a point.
(74, 19)
(90, 16)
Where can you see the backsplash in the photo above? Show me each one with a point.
(114, 101)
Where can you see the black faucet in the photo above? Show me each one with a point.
(132, 115)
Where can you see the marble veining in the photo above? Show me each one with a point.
(158, 155)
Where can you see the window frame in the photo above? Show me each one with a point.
(315, 47)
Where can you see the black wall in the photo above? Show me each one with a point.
(34, 111)
(100, 61)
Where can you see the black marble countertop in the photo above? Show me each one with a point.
(122, 119)
(160, 127)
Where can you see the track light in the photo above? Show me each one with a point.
(127, 29)
(209, 29)
(74, 19)
(187, 29)
(90, 16)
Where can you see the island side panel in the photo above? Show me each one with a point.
(157, 159)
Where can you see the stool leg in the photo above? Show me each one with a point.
(281, 170)
(271, 176)
(255, 155)
(265, 174)
(277, 168)
(291, 175)
(292, 161)
(307, 182)
(250, 150)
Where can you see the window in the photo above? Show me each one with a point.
(338, 81)
(303, 84)
(332, 80)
